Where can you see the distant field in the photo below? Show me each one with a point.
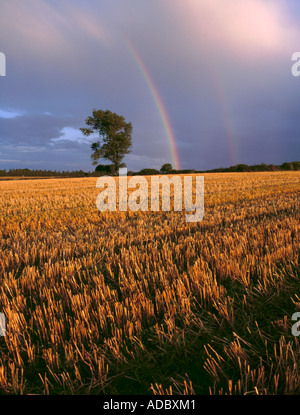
(143, 303)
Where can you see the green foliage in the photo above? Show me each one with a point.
(295, 165)
(115, 137)
(166, 168)
(148, 172)
(291, 166)
(103, 168)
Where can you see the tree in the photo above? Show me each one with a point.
(115, 137)
(166, 168)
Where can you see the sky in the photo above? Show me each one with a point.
(205, 83)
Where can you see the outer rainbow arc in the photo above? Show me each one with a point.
(227, 119)
(158, 102)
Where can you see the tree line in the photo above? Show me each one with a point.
(288, 166)
(165, 169)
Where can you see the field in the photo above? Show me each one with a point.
(145, 303)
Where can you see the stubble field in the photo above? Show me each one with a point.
(145, 303)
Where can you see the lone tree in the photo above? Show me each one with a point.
(115, 134)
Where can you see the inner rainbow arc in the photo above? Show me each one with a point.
(158, 102)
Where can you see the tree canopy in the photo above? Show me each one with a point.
(115, 137)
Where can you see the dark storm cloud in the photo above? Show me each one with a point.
(223, 74)
(35, 129)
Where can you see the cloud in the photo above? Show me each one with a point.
(74, 135)
(247, 28)
(49, 28)
(9, 114)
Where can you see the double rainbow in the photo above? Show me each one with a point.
(219, 91)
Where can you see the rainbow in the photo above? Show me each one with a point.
(158, 102)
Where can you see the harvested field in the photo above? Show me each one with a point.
(143, 302)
